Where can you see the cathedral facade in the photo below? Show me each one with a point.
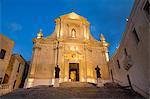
(71, 47)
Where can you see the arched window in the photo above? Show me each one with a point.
(73, 33)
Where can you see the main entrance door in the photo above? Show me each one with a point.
(74, 71)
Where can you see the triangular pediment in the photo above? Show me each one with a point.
(74, 16)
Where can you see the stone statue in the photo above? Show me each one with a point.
(98, 72)
(57, 70)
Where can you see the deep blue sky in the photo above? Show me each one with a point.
(20, 20)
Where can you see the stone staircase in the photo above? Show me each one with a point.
(73, 91)
(77, 84)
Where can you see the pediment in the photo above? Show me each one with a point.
(73, 16)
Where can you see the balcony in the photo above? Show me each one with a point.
(128, 63)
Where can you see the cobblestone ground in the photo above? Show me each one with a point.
(45, 92)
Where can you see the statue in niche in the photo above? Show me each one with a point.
(73, 33)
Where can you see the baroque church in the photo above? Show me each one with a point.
(71, 47)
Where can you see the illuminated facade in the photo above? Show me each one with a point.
(73, 48)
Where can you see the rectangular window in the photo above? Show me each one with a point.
(14, 84)
(118, 64)
(136, 36)
(18, 67)
(112, 75)
(125, 51)
(0, 80)
(2, 54)
(147, 8)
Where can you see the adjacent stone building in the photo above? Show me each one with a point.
(71, 47)
(13, 67)
(6, 46)
(14, 71)
(129, 66)
(14, 74)
(25, 74)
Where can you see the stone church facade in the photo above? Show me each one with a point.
(71, 47)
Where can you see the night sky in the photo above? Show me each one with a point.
(20, 20)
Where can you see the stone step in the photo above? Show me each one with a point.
(77, 84)
(46, 92)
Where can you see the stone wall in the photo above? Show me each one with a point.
(130, 60)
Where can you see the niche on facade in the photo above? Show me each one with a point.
(73, 33)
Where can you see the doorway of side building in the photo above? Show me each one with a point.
(74, 71)
(6, 79)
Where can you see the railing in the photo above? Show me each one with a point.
(4, 88)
